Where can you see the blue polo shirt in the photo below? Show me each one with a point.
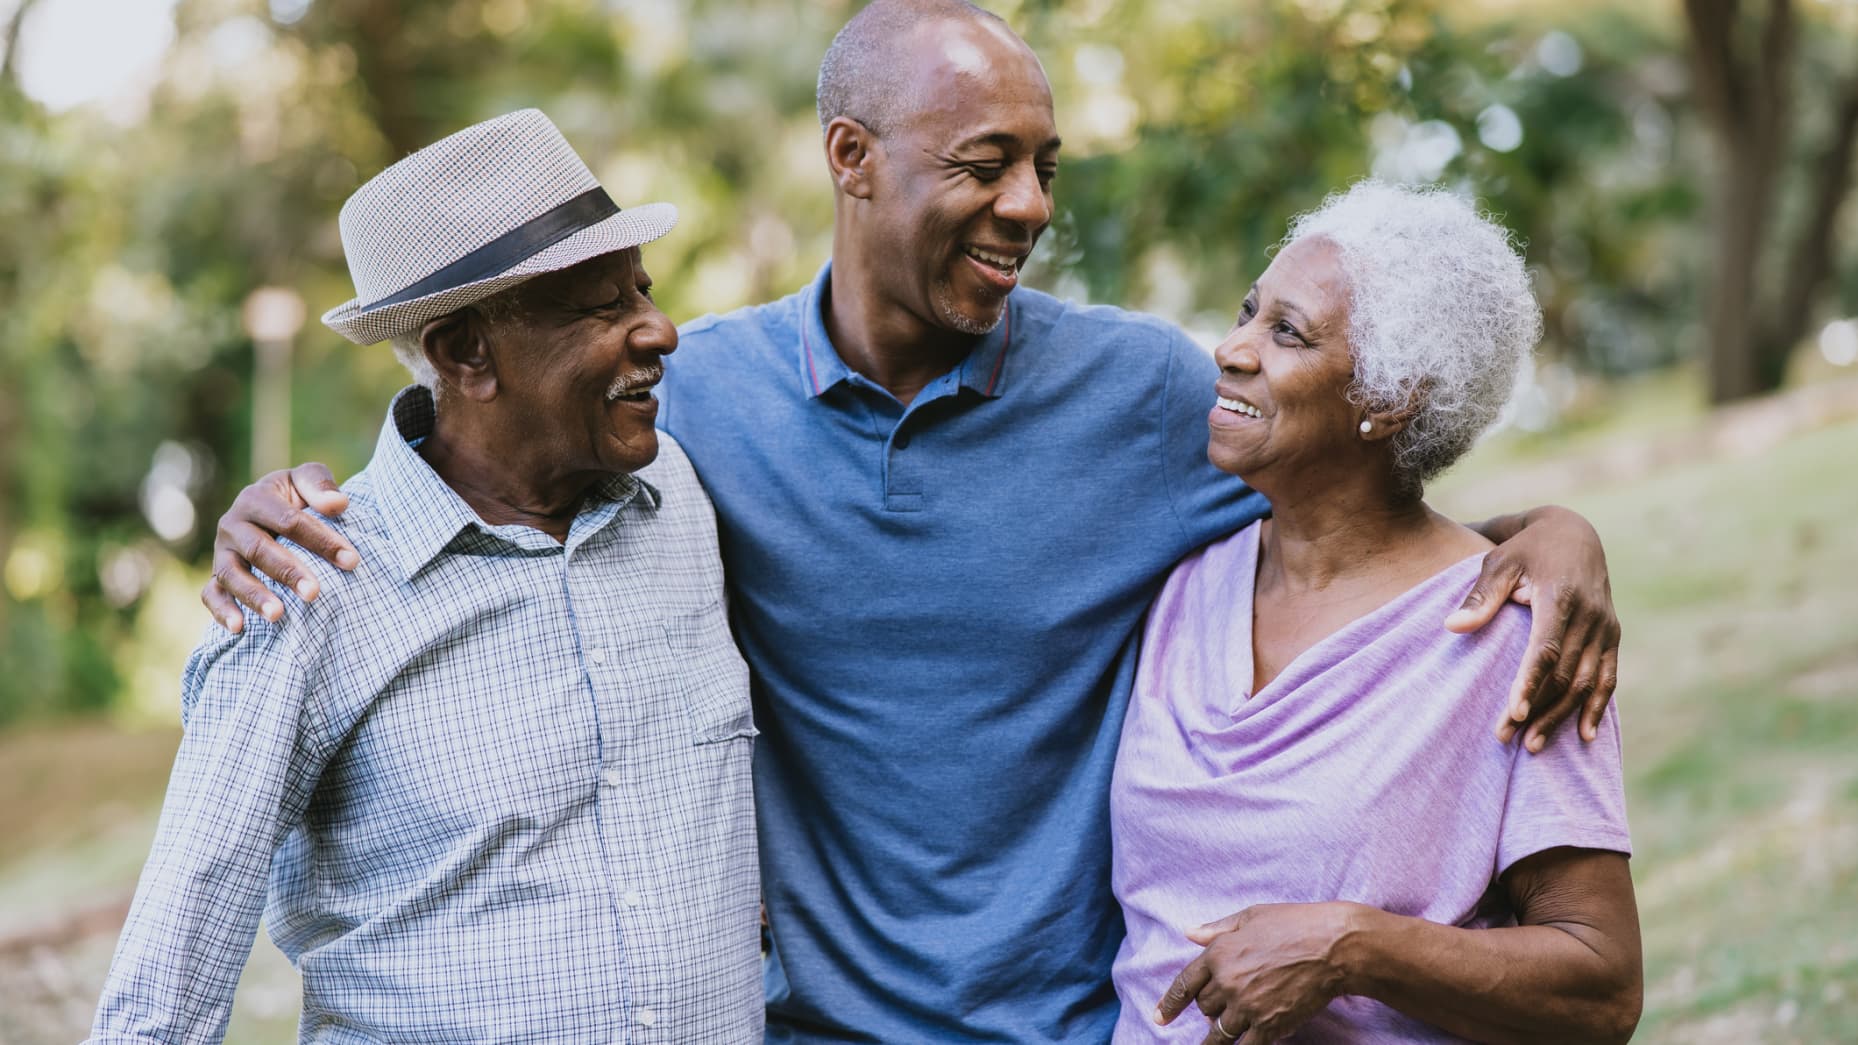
(940, 605)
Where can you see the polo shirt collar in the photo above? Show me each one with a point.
(821, 368)
(422, 514)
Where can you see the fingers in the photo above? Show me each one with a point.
(308, 531)
(1564, 698)
(1603, 690)
(1548, 627)
(317, 487)
(1204, 934)
(222, 606)
(1498, 578)
(232, 573)
(1223, 1027)
(261, 552)
(1186, 986)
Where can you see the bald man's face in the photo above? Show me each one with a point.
(966, 188)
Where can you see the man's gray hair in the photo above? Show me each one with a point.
(412, 355)
(1441, 314)
(502, 307)
(863, 76)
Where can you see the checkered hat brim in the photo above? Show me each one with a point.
(489, 188)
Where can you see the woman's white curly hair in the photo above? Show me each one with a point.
(1441, 314)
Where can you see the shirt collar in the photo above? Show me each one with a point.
(421, 513)
(821, 368)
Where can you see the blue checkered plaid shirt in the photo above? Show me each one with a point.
(499, 785)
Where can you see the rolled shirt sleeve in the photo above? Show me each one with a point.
(247, 764)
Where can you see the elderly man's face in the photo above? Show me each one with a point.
(966, 186)
(582, 358)
(1285, 369)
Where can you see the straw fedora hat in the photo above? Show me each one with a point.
(468, 216)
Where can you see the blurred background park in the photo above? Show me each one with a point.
(1680, 172)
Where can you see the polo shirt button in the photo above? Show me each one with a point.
(902, 442)
(598, 656)
(611, 778)
(648, 1018)
(633, 899)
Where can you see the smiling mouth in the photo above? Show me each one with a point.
(1239, 406)
(1005, 264)
(634, 387)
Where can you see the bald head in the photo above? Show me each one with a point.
(868, 74)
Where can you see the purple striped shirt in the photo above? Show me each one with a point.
(1365, 771)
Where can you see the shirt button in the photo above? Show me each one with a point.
(611, 778)
(633, 899)
(902, 441)
(648, 1018)
(598, 656)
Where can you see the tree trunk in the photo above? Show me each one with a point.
(1811, 263)
(9, 38)
(1743, 201)
(1743, 89)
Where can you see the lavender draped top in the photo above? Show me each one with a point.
(1365, 771)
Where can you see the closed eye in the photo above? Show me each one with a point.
(625, 300)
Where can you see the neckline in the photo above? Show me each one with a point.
(1253, 555)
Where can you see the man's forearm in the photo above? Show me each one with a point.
(1532, 983)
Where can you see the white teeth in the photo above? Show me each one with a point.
(1239, 407)
(631, 384)
(996, 260)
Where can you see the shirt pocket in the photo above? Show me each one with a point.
(712, 676)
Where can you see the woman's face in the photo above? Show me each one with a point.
(1285, 368)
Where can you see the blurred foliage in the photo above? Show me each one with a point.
(1194, 129)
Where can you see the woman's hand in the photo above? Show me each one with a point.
(270, 508)
(1265, 971)
(1551, 560)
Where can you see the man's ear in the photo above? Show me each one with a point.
(457, 345)
(851, 152)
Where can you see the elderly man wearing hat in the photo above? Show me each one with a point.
(496, 779)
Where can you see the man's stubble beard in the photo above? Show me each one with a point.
(959, 320)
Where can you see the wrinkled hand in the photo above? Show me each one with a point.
(1556, 565)
(1265, 971)
(270, 508)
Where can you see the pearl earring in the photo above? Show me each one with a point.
(1366, 427)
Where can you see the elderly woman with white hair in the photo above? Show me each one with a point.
(1313, 838)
